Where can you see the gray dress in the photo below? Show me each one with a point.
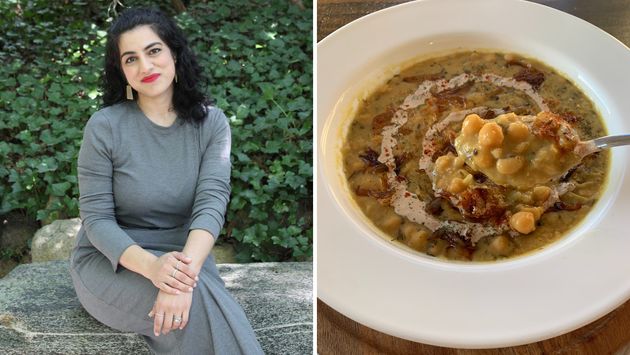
(141, 183)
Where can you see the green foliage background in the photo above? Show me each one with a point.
(258, 56)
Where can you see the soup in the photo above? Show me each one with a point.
(470, 156)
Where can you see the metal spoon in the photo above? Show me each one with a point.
(595, 145)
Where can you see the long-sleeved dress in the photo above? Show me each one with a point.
(145, 184)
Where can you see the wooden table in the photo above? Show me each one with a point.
(337, 334)
(613, 16)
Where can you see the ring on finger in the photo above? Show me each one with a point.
(174, 272)
(177, 319)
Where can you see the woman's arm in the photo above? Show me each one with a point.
(96, 197)
(137, 260)
(198, 246)
(213, 184)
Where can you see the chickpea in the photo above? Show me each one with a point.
(459, 162)
(443, 163)
(418, 240)
(367, 181)
(523, 222)
(457, 253)
(541, 193)
(497, 153)
(521, 147)
(390, 223)
(506, 118)
(468, 179)
(371, 206)
(501, 245)
(443, 182)
(518, 131)
(472, 124)
(457, 185)
(536, 211)
(491, 135)
(354, 164)
(436, 247)
(509, 166)
(407, 229)
(546, 155)
(484, 159)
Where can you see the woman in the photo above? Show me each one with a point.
(154, 175)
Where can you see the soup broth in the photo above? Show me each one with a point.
(438, 157)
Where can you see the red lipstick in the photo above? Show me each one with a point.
(151, 78)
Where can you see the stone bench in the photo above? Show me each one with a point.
(40, 313)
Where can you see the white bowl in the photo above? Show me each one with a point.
(413, 296)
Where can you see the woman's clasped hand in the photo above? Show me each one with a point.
(170, 312)
(175, 278)
(171, 273)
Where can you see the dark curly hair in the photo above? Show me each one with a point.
(189, 102)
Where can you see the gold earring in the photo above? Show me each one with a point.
(175, 77)
(129, 93)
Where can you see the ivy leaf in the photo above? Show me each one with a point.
(47, 164)
(71, 179)
(272, 146)
(4, 149)
(60, 189)
(305, 169)
(242, 112)
(242, 157)
(69, 90)
(42, 215)
(267, 90)
(294, 181)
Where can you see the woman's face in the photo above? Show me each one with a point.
(147, 62)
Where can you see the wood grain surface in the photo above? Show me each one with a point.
(337, 334)
(612, 16)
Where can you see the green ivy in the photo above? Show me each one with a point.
(258, 56)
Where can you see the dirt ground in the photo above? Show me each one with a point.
(6, 265)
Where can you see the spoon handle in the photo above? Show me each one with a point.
(611, 141)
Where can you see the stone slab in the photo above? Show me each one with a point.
(40, 314)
